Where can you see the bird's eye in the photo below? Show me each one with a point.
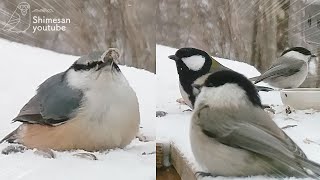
(210, 85)
(88, 66)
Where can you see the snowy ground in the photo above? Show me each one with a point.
(23, 68)
(174, 127)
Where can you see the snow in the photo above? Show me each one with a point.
(23, 69)
(174, 127)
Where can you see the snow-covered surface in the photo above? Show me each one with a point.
(174, 127)
(23, 69)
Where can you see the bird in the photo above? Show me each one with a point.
(20, 20)
(289, 71)
(90, 106)
(195, 64)
(232, 135)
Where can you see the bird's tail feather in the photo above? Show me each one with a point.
(11, 138)
(263, 77)
(310, 165)
(253, 78)
(263, 88)
(257, 79)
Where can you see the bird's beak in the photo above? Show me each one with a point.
(173, 57)
(312, 55)
(110, 58)
(111, 55)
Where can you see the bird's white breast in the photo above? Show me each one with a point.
(110, 112)
(185, 96)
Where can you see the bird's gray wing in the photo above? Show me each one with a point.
(283, 67)
(54, 103)
(231, 130)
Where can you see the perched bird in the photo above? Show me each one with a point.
(231, 134)
(194, 64)
(20, 20)
(289, 71)
(90, 106)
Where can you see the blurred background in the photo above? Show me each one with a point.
(251, 31)
(94, 25)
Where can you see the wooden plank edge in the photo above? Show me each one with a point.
(181, 164)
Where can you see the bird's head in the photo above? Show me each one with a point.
(93, 67)
(227, 89)
(192, 60)
(298, 53)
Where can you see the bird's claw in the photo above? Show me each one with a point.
(143, 138)
(46, 153)
(181, 101)
(88, 156)
(187, 110)
(13, 149)
(203, 174)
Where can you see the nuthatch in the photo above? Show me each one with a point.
(90, 106)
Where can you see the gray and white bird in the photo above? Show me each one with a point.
(90, 106)
(231, 134)
(290, 69)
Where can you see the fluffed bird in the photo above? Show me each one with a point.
(231, 134)
(90, 106)
(289, 71)
(195, 64)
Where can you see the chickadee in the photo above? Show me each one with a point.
(231, 134)
(90, 106)
(194, 64)
(289, 71)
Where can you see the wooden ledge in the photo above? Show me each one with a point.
(179, 162)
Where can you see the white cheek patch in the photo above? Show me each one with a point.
(194, 63)
(78, 79)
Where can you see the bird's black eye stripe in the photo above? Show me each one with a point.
(85, 67)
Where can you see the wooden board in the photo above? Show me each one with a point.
(179, 162)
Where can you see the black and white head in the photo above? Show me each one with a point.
(227, 89)
(298, 53)
(191, 62)
(93, 68)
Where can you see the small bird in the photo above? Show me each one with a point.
(231, 134)
(289, 71)
(20, 20)
(195, 64)
(90, 106)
